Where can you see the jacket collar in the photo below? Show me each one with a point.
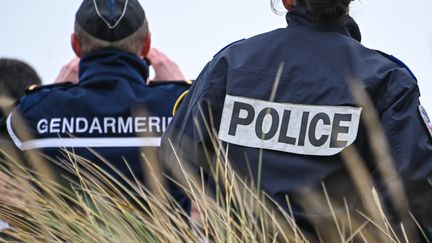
(111, 65)
(301, 16)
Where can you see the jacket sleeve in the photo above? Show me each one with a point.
(410, 141)
(4, 113)
(2, 122)
(3, 131)
(192, 134)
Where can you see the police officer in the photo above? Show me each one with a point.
(111, 110)
(304, 121)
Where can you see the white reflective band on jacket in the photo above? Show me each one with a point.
(75, 142)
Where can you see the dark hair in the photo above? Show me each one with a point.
(323, 10)
(133, 43)
(327, 10)
(15, 77)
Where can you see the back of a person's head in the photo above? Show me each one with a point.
(327, 10)
(15, 77)
(119, 24)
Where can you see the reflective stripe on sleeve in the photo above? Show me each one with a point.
(90, 143)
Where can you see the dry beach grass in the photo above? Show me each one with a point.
(100, 208)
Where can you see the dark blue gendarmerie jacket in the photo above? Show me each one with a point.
(111, 111)
(312, 116)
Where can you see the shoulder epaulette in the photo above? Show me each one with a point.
(397, 61)
(187, 82)
(34, 88)
(235, 42)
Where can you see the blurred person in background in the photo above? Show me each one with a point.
(103, 100)
(15, 77)
(290, 133)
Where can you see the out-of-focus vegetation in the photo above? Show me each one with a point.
(96, 207)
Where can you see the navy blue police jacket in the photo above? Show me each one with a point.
(303, 118)
(111, 113)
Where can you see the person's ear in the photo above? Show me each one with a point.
(288, 4)
(147, 45)
(76, 47)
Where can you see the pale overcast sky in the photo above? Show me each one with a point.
(192, 31)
